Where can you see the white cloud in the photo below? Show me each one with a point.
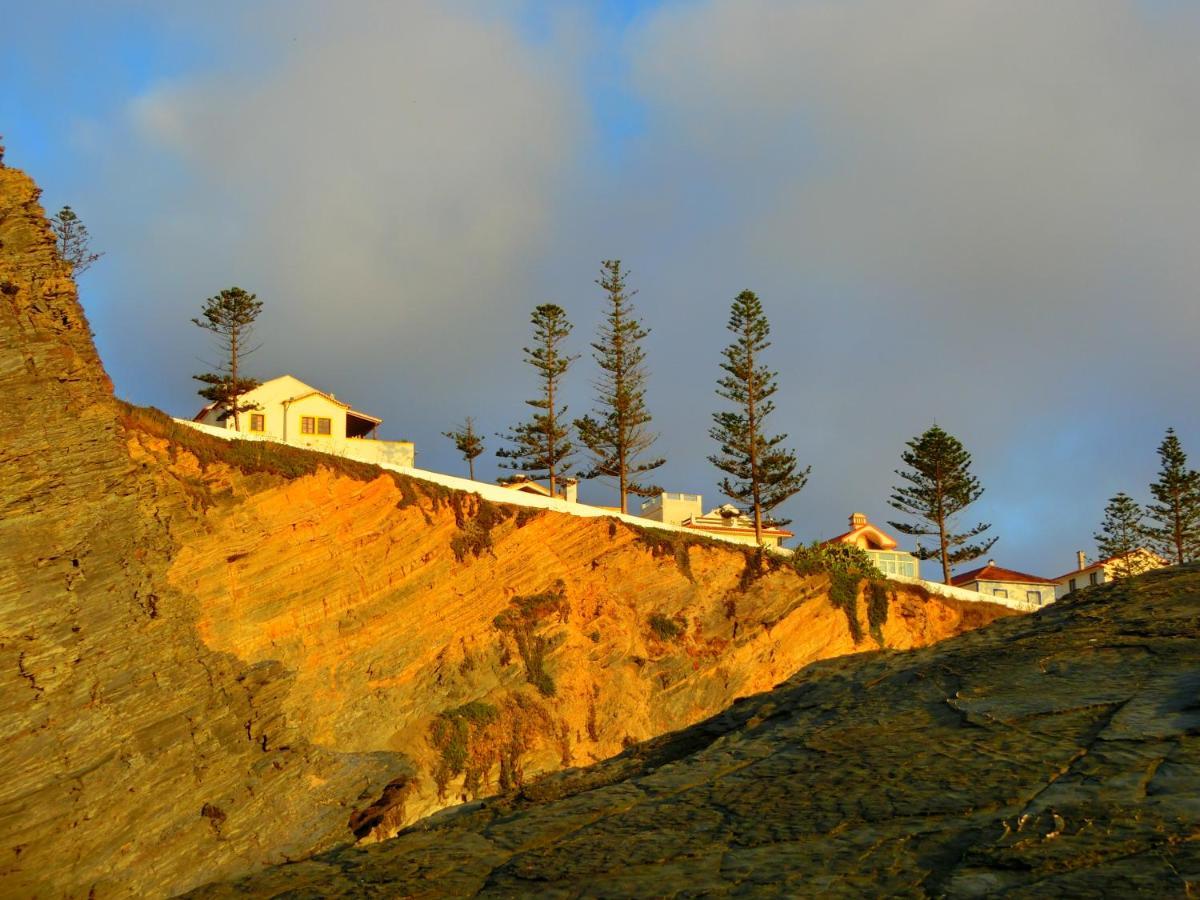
(977, 212)
(980, 212)
(382, 176)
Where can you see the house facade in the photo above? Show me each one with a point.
(1008, 584)
(883, 549)
(291, 412)
(1086, 574)
(729, 522)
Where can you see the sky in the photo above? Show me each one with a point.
(976, 213)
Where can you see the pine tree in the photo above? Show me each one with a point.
(1120, 534)
(617, 436)
(760, 471)
(468, 443)
(230, 315)
(940, 485)
(542, 445)
(74, 242)
(1174, 532)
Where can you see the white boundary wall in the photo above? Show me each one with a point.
(957, 593)
(498, 494)
(493, 492)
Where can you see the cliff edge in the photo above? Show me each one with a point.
(217, 656)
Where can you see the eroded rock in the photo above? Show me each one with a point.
(1050, 755)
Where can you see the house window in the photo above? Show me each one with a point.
(258, 422)
(1071, 585)
(308, 425)
(1000, 592)
(1034, 597)
(1092, 578)
(324, 425)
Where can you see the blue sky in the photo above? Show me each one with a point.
(980, 214)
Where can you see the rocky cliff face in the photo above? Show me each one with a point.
(1048, 755)
(219, 656)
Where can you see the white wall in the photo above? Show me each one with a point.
(392, 454)
(960, 593)
(672, 507)
(314, 406)
(1016, 591)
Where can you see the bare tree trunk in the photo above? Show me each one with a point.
(941, 520)
(550, 429)
(753, 432)
(233, 367)
(624, 480)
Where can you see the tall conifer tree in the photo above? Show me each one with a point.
(760, 472)
(230, 315)
(468, 442)
(542, 445)
(1174, 529)
(940, 485)
(74, 242)
(1120, 534)
(617, 436)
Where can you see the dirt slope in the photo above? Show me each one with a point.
(1049, 755)
(217, 656)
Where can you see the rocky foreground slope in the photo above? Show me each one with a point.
(1050, 755)
(216, 656)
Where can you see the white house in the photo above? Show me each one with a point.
(1007, 584)
(883, 549)
(292, 412)
(1103, 570)
(729, 522)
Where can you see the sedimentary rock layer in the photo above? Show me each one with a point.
(217, 656)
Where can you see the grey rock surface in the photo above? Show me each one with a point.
(1050, 755)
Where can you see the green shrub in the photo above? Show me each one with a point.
(523, 616)
(846, 566)
(526, 514)
(473, 539)
(877, 608)
(665, 628)
(451, 734)
(759, 562)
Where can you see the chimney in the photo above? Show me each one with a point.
(991, 562)
(857, 520)
(1082, 558)
(571, 491)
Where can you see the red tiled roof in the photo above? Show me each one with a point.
(204, 412)
(998, 573)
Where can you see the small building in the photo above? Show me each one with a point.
(1086, 574)
(729, 522)
(292, 412)
(880, 546)
(995, 581)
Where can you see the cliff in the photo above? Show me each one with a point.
(1049, 755)
(218, 656)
